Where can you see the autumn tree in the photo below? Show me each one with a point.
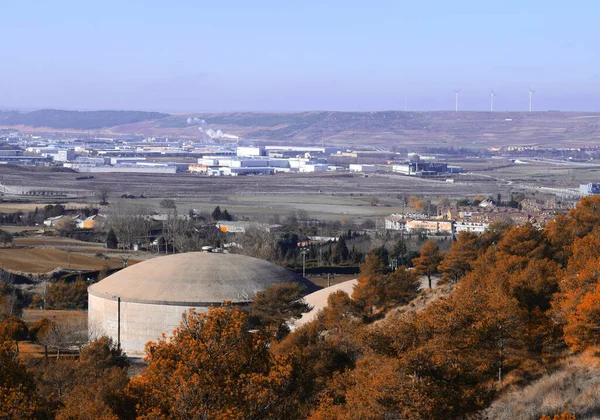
(457, 262)
(39, 330)
(579, 284)
(319, 350)
(67, 295)
(13, 328)
(371, 271)
(582, 329)
(218, 368)
(277, 305)
(18, 394)
(340, 307)
(427, 262)
(565, 415)
(417, 203)
(99, 387)
(384, 292)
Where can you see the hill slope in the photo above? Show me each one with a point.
(574, 388)
(82, 120)
(392, 128)
(389, 129)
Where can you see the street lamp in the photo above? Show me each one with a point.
(118, 321)
(304, 251)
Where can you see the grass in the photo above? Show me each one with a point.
(54, 241)
(31, 316)
(574, 388)
(31, 206)
(37, 261)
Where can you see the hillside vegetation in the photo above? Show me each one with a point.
(439, 129)
(79, 120)
(574, 388)
(525, 300)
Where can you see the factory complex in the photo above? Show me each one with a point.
(164, 156)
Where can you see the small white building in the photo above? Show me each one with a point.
(359, 167)
(64, 155)
(474, 227)
(52, 221)
(317, 167)
(395, 222)
(589, 189)
(250, 151)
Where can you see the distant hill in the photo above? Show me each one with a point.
(393, 128)
(389, 129)
(80, 120)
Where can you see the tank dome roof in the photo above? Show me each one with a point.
(195, 279)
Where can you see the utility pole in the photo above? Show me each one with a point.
(303, 252)
(118, 321)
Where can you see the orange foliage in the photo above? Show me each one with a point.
(583, 326)
(213, 367)
(427, 263)
(564, 416)
(18, 396)
(379, 291)
(457, 262)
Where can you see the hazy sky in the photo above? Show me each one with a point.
(182, 55)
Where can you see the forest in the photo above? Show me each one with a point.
(521, 301)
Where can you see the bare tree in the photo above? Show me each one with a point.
(66, 335)
(9, 296)
(5, 237)
(130, 223)
(255, 242)
(102, 195)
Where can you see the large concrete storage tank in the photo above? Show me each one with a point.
(152, 296)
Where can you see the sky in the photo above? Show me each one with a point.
(201, 56)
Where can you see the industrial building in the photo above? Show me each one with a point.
(124, 168)
(589, 189)
(255, 165)
(250, 151)
(141, 302)
(242, 226)
(359, 167)
(421, 168)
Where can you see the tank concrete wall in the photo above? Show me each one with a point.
(140, 322)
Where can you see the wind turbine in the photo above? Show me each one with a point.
(531, 92)
(492, 94)
(457, 91)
